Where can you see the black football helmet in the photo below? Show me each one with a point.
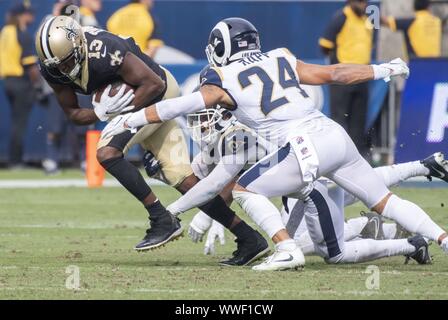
(230, 40)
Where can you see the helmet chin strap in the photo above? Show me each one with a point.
(75, 72)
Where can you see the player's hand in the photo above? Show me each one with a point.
(115, 127)
(216, 232)
(199, 226)
(111, 106)
(398, 68)
(153, 168)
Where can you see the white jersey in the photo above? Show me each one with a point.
(266, 92)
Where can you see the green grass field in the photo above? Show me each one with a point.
(43, 231)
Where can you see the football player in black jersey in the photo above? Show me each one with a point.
(75, 59)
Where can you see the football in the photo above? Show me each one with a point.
(113, 91)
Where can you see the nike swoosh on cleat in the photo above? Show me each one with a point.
(442, 175)
(285, 260)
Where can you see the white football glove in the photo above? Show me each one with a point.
(199, 226)
(116, 126)
(397, 68)
(109, 107)
(216, 232)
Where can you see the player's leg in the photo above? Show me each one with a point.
(110, 154)
(434, 166)
(325, 222)
(358, 177)
(164, 227)
(170, 149)
(275, 175)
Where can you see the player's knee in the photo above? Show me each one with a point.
(187, 184)
(379, 208)
(106, 153)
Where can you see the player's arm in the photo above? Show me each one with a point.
(69, 102)
(209, 187)
(136, 73)
(207, 97)
(347, 74)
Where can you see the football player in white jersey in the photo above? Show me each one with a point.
(263, 90)
(228, 148)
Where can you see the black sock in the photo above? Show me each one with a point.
(156, 210)
(218, 210)
(128, 175)
(242, 230)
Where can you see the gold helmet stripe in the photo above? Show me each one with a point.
(44, 39)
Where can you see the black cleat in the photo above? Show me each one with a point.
(163, 229)
(374, 227)
(437, 165)
(421, 254)
(248, 251)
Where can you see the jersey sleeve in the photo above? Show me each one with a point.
(328, 39)
(28, 56)
(400, 24)
(211, 76)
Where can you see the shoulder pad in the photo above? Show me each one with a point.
(211, 76)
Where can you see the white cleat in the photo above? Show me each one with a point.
(444, 245)
(282, 260)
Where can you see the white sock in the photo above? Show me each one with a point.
(368, 249)
(390, 230)
(306, 244)
(412, 218)
(261, 211)
(286, 245)
(353, 227)
(397, 173)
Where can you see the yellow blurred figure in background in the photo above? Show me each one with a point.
(135, 20)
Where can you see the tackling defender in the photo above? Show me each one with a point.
(228, 148)
(263, 90)
(84, 59)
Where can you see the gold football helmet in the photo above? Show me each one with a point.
(60, 44)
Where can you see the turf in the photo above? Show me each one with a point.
(43, 231)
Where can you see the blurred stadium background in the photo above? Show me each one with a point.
(396, 125)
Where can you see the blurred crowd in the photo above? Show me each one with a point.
(416, 28)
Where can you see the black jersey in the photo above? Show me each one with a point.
(104, 57)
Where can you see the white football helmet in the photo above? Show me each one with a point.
(207, 125)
